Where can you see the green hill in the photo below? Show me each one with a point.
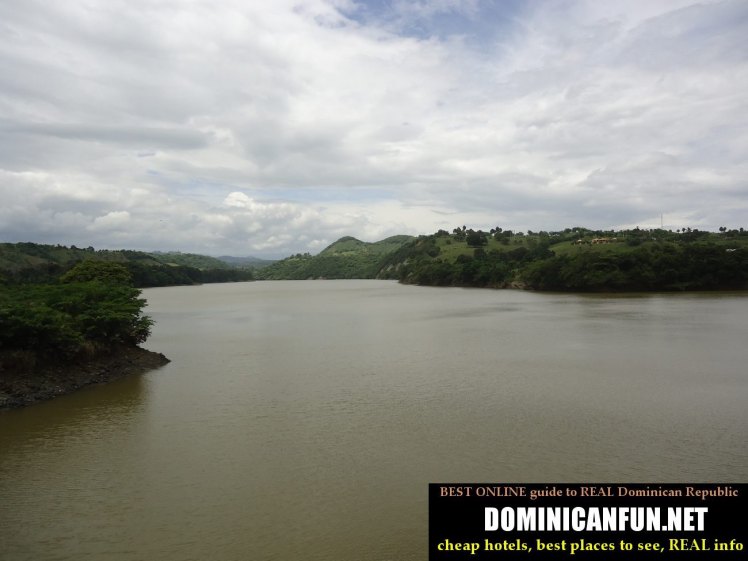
(347, 258)
(576, 259)
(38, 263)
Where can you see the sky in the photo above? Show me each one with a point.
(248, 127)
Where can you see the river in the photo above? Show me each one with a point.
(304, 419)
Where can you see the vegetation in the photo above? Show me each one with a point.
(36, 263)
(576, 259)
(204, 262)
(347, 258)
(247, 262)
(92, 308)
(194, 260)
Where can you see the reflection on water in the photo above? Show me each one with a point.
(305, 419)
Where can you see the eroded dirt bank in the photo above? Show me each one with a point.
(25, 383)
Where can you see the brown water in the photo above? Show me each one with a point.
(304, 420)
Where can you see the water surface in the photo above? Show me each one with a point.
(304, 419)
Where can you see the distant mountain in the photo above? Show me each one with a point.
(347, 258)
(189, 260)
(253, 262)
(207, 262)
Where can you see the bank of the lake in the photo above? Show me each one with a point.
(29, 382)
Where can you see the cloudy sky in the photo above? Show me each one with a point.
(253, 127)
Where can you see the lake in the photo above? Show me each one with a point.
(305, 419)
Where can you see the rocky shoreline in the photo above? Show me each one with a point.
(24, 386)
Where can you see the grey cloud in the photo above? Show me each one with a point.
(697, 35)
(138, 136)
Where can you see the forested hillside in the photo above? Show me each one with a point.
(347, 258)
(37, 263)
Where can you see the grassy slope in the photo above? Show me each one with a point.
(450, 249)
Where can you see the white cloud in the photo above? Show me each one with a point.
(240, 127)
(114, 220)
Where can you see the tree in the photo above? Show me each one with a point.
(476, 239)
(60, 320)
(102, 271)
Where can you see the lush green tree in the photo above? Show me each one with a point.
(103, 271)
(476, 239)
(93, 308)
